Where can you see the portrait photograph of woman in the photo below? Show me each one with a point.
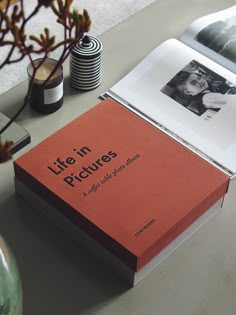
(199, 89)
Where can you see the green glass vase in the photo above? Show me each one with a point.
(10, 283)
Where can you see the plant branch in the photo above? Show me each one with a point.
(74, 26)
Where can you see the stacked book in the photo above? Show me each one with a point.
(128, 189)
(136, 175)
(15, 133)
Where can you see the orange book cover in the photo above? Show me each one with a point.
(121, 180)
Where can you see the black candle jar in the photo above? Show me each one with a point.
(46, 98)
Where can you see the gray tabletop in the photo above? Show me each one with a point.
(60, 277)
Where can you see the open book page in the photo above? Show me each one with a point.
(188, 94)
(215, 37)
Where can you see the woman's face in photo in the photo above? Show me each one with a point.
(194, 84)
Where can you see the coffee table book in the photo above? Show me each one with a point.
(124, 186)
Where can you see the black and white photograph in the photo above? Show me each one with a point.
(200, 90)
(220, 36)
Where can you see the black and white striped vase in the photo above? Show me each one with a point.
(86, 64)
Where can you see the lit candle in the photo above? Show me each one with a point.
(46, 98)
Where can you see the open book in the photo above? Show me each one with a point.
(187, 87)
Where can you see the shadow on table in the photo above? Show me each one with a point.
(42, 251)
